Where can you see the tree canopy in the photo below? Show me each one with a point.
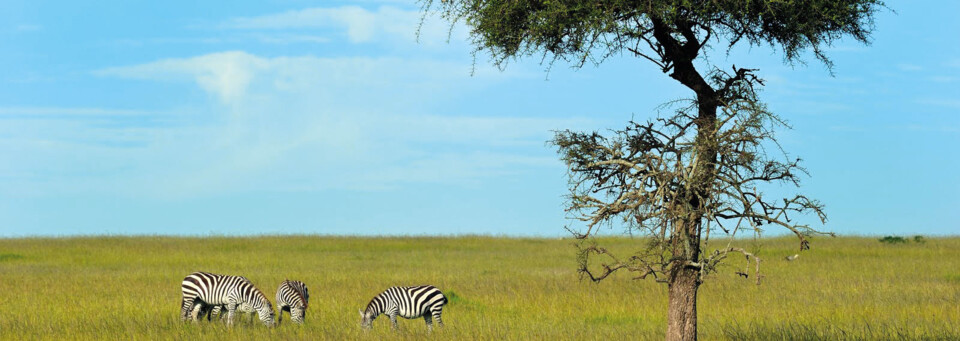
(592, 30)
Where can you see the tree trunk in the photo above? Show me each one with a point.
(682, 310)
(683, 282)
(684, 279)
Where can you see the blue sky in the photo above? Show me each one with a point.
(263, 117)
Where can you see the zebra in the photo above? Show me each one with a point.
(199, 310)
(216, 290)
(409, 302)
(292, 296)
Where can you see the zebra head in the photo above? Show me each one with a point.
(263, 307)
(297, 314)
(266, 314)
(366, 319)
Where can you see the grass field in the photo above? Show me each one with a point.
(499, 288)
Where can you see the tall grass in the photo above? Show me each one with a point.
(499, 288)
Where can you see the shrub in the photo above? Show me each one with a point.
(452, 297)
(893, 240)
(9, 256)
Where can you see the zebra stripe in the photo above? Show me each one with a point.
(408, 302)
(205, 288)
(292, 296)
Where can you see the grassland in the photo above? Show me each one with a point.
(500, 288)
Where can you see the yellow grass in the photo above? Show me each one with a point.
(500, 288)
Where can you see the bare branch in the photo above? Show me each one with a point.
(650, 177)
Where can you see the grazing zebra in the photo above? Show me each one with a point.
(292, 296)
(408, 302)
(216, 290)
(199, 310)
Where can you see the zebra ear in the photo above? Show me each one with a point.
(361, 312)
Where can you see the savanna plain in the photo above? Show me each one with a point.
(112, 288)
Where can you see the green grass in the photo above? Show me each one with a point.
(499, 288)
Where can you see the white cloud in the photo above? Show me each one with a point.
(360, 25)
(225, 74)
(311, 123)
(229, 75)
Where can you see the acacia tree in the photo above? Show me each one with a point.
(700, 169)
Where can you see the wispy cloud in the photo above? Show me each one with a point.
(225, 75)
(357, 24)
(361, 25)
(228, 75)
(295, 123)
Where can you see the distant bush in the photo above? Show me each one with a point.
(452, 297)
(9, 256)
(893, 240)
(901, 240)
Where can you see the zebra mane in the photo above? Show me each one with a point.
(299, 288)
(303, 299)
(370, 306)
(262, 296)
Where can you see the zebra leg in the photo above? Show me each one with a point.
(215, 310)
(436, 316)
(231, 310)
(429, 321)
(197, 312)
(186, 307)
(297, 315)
(393, 320)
